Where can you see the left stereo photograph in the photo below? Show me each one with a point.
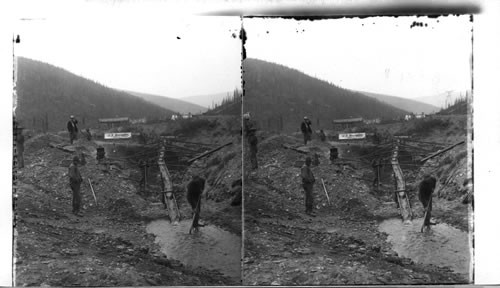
(127, 149)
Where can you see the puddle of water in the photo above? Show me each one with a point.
(441, 245)
(211, 247)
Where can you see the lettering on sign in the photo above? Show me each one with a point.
(126, 135)
(347, 136)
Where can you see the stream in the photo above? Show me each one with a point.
(441, 245)
(210, 247)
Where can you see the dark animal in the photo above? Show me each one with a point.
(425, 190)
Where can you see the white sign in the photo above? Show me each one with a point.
(126, 135)
(346, 136)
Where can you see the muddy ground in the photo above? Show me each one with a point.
(342, 244)
(109, 245)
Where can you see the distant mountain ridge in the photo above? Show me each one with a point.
(279, 97)
(409, 105)
(47, 95)
(441, 100)
(173, 104)
(207, 100)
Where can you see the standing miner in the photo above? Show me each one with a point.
(75, 179)
(72, 128)
(306, 129)
(376, 170)
(308, 184)
(322, 135)
(253, 141)
(426, 188)
(20, 147)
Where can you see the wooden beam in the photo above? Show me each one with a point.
(442, 151)
(209, 152)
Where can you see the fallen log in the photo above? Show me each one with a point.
(209, 152)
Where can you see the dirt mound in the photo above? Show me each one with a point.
(124, 207)
(275, 142)
(42, 140)
(355, 206)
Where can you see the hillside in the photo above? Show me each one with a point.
(409, 105)
(278, 97)
(459, 107)
(48, 92)
(207, 100)
(170, 103)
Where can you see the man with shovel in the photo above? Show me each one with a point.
(194, 190)
(426, 188)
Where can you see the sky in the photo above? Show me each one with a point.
(376, 54)
(138, 47)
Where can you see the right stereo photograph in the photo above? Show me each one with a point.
(357, 151)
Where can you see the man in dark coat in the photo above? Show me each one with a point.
(236, 190)
(72, 128)
(20, 147)
(426, 188)
(75, 180)
(306, 129)
(308, 184)
(253, 141)
(194, 190)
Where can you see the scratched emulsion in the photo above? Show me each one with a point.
(210, 247)
(441, 245)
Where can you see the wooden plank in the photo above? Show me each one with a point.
(442, 151)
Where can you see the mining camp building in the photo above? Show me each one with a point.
(347, 123)
(112, 122)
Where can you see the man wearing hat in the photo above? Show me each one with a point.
(306, 129)
(75, 179)
(72, 128)
(20, 147)
(247, 124)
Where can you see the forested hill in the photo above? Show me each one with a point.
(48, 92)
(279, 97)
